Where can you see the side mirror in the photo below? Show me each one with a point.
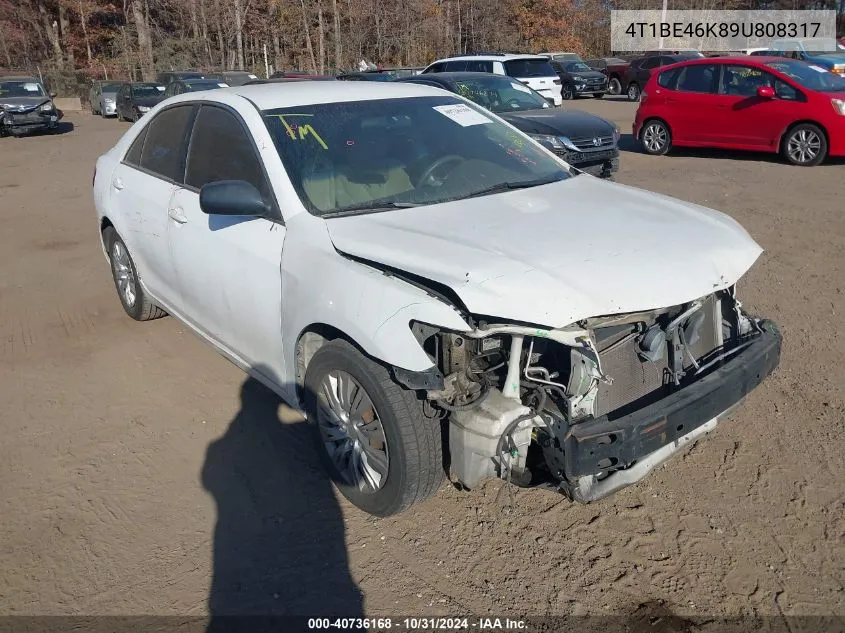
(232, 197)
(53, 95)
(766, 92)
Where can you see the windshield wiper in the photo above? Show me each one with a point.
(368, 207)
(508, 186)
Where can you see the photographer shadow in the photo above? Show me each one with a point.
(279, 546)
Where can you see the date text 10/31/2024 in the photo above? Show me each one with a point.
(417, 624)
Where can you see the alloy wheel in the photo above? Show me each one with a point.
(352, 432)
(614, 87)
(655, 137)
(804, 146)
(124, 275)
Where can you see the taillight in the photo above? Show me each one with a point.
(557, 82)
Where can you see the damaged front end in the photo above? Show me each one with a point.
(595, 406)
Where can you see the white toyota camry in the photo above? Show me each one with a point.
(418, 275)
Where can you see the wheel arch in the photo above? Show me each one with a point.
(654, 118)
(794, 124)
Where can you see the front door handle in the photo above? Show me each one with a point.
(177, 215)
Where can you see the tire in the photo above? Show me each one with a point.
(633, 92)
(567, 93)
(141, 308)
(804, 145)
(656, 137)
(412, 444)
(614, 87)
(598, 95)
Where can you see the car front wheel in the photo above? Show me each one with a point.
(381, 451)
(567, 92)
(633, 92)
(132, 297)
(614, 87)
(805, 145)
(656, 138)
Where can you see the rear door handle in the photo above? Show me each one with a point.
(117, 183)
(177, 215)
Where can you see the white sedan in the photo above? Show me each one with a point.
(416, 273)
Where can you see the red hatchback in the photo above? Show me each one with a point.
(765, 104)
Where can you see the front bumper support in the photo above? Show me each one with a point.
(631, 446)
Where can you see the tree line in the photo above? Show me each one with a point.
(134, 38)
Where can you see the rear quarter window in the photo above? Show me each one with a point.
(668, 78)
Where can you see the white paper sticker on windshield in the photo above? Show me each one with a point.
(30, 87)
(252, 76)
(819, 69)
(520, 87)
(462, 114)
(222, 85)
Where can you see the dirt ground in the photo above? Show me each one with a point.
(141, 474)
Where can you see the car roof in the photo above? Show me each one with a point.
(299, 93)
(743, 60)
(504, 57)
(20, 78)
(456, 75)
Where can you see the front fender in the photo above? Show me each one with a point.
(373, 308)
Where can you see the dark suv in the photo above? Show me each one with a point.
(164, 78)
(640, 70)
(576, 79)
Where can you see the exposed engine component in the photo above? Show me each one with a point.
(511, 391)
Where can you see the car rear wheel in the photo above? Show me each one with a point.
(633, 92)
(614, 87)
(805, 145)
(567, 92)
(380, 450)
(132, 297)
(656, 138)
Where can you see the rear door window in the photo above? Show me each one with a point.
(529, 68)
(434, 68)
(164, 146)
(697, 78)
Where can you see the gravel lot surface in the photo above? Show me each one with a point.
(138, 469)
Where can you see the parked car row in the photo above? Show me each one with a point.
(129, 101)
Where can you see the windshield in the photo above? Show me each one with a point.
(111, 87)
(809, 76)
(576, 67)
(147, 90)
(500, 94)
(366, 156)
(21, 89)
(193, 86)
(529, 68)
